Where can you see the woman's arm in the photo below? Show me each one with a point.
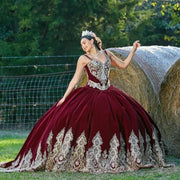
(123, 64)
(79, 69)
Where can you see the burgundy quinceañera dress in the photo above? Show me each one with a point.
(97, 129)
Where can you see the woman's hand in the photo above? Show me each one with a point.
(136, 44)
(60, 102)
(82, 61)
(123, 64)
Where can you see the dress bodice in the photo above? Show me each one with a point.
(98, 73)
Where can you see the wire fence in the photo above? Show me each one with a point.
(27, 91)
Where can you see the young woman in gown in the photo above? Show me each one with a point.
(97, 128)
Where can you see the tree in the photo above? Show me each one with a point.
(161, 25)
(38, 27)
(171, 11)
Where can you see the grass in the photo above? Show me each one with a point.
(11, 142)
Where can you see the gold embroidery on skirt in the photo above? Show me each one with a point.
(117, 158)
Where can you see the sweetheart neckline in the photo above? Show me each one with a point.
(91, 59)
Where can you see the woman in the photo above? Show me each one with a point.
(97, 128)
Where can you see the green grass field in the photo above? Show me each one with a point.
(11, 142)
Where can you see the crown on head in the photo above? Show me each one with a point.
(88, 33)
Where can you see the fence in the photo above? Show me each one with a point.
(27, 91)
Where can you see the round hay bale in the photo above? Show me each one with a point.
(169, 96)
(155, 61)
(152, 79)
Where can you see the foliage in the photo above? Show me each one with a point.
(171, 11)
(53, 27)
(161, 25)
(38, 27)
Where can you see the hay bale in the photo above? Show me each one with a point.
(169, 96)
(153, 79)
(161, 66)
(155, 61)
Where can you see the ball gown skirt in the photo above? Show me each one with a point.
(97, 130)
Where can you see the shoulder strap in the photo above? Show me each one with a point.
(87, 56)
(106, 52)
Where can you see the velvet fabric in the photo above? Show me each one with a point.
(94, 131)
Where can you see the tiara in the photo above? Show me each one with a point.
(88, 33)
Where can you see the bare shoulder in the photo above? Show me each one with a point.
(83, 60)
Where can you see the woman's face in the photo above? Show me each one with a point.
(86, 44)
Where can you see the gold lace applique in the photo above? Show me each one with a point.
(113, 159)
(62, 156)
(26, 161)
(122, 155)
(117, 158)
(158, 150)
(98, 85)
(56, 150)
(100, 71)
(49, 142)
(40, 159)
(77, 159)
(94, 153)
(135, 150)
(141, 143)
(148, 152)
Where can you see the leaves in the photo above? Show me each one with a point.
(38, 27)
